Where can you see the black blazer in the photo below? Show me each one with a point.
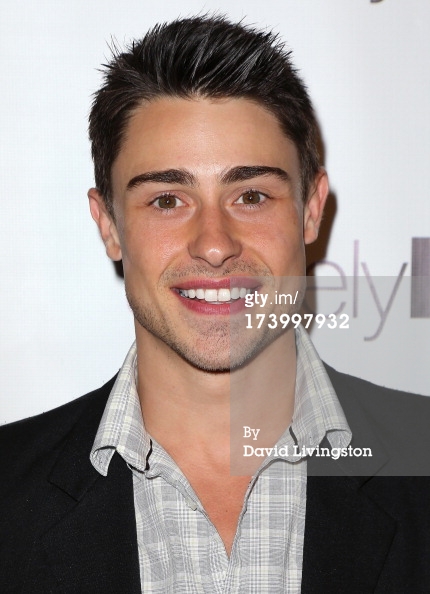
(66, 529)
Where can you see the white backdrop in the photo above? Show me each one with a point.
(65, 325)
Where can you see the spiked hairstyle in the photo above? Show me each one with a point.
(201, 57)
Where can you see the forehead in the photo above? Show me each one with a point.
(202, 135)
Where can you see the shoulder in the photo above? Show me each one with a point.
(44, 467)
(28, 441)
(399, 421)
(373, 396)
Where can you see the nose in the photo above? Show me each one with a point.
(214, 237)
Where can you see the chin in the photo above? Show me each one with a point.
(211, 364)
(212, 356)
(221, 356)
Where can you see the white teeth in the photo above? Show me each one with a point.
(211, 295)
(223, 294)
(214, 295)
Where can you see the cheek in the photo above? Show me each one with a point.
(147, 249)
(280, 244)
(287, 254)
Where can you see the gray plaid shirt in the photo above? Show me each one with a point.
(180, 551)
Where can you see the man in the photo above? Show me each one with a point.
(208, 187)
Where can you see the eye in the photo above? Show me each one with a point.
(251, 197)
(167, 202)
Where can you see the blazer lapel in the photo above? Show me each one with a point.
(347, 537)
(91, 545)
(347, 534)
(94, 547)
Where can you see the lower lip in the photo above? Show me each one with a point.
(203, 307)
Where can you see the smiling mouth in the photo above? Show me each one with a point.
(215, 296)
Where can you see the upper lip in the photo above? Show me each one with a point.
(249, 282)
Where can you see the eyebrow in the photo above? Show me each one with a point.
(244, 172)
(168, 176)
(183, 177)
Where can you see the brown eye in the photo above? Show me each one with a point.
(167, 201)
(250, 197)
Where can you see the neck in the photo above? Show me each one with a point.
(210, 410)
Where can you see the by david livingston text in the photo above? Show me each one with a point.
(299, 452)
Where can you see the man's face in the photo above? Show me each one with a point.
(207, 197)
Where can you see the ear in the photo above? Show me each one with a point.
(314, 206)
(105, 223)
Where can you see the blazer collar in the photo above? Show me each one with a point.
(91, 545)
(347, 533)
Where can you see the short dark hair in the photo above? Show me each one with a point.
(201, 57)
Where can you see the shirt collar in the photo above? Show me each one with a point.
(122, 428)
(317, 412)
